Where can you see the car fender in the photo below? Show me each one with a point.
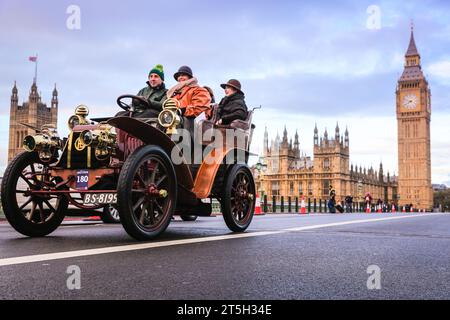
(151, 135)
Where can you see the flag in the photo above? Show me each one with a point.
(32, 59)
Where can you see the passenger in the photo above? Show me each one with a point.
(154, 93)
(193, 98)
(232, 106)
(211, 93)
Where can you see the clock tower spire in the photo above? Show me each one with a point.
(413, 119)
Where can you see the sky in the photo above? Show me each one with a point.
(304, 62)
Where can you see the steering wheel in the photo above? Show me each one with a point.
(128, 107)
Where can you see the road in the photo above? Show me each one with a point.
(282, 256)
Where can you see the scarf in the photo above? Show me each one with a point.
(176, 89)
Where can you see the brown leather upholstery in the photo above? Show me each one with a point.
(243, 126)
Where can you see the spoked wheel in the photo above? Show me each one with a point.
(147, 192)
(31, 215)
(238, 200)
(110, 214)
(189, 217)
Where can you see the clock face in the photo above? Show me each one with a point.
(410, 101)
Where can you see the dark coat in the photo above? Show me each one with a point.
(154, 96)
(232, 108)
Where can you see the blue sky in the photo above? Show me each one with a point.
(303, 61)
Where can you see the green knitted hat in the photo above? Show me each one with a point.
(158, 69)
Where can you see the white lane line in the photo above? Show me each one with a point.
(143, 246)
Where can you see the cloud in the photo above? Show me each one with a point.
(440, 70)
(299, 60)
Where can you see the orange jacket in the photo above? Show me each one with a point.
(194, 99)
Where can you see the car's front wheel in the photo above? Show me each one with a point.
(147, 192)
(31, 214)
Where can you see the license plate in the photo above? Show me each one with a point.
(82, 180)
(100, 198)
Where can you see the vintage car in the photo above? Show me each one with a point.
(126, 162)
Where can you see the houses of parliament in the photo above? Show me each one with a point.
(291, 173)
(33, 113)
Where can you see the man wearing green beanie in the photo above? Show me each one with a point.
(154, 92)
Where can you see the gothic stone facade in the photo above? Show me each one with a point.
(413, 117)
(291, 173)
(34, 113)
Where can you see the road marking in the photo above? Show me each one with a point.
(143, 246)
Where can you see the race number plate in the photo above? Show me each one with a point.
(100, 198)
(82, 180)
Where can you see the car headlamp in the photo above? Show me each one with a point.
(166, 118)
(86, 137)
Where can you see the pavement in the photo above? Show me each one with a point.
(281, 256)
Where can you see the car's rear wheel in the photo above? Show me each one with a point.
(110, 214)
(147, 192)
(31, 215)
(188, 217)
(238, 199)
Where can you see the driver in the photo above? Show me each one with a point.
(155, 94)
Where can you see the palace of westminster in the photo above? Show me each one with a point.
(289, 173)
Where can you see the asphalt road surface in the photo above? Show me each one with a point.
(281, 256)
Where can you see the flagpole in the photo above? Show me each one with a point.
(35, 69)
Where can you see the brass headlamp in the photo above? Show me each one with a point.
(103, 139)
(79, 118)
(169, 117)
(45, 143)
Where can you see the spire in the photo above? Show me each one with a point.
(14, 90)
(316, 135)
(325, 135)
(34, 96)
(55, 92)
(412, 48)
(285, 137)
(14, 96)
(266, 142)
(337, 131)
(296, 143)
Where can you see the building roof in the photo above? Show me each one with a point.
(412, 48)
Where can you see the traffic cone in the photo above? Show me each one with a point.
(411, 209)
(379, 209)
(303, 206)
(258, 210)
(404, 209)
(368, 209)
(393, 208)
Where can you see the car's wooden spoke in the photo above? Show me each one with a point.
(155, 169)
(159, 208)
(151, 212)
(138, 203)
(31, 213)
(25, 204)
(160, 180)
(26, 180)
(143, 212)
(140, 179)
(41, 212)
(49, 206)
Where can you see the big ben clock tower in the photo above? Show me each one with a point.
(413, 118)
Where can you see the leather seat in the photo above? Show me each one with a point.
(243, 126)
